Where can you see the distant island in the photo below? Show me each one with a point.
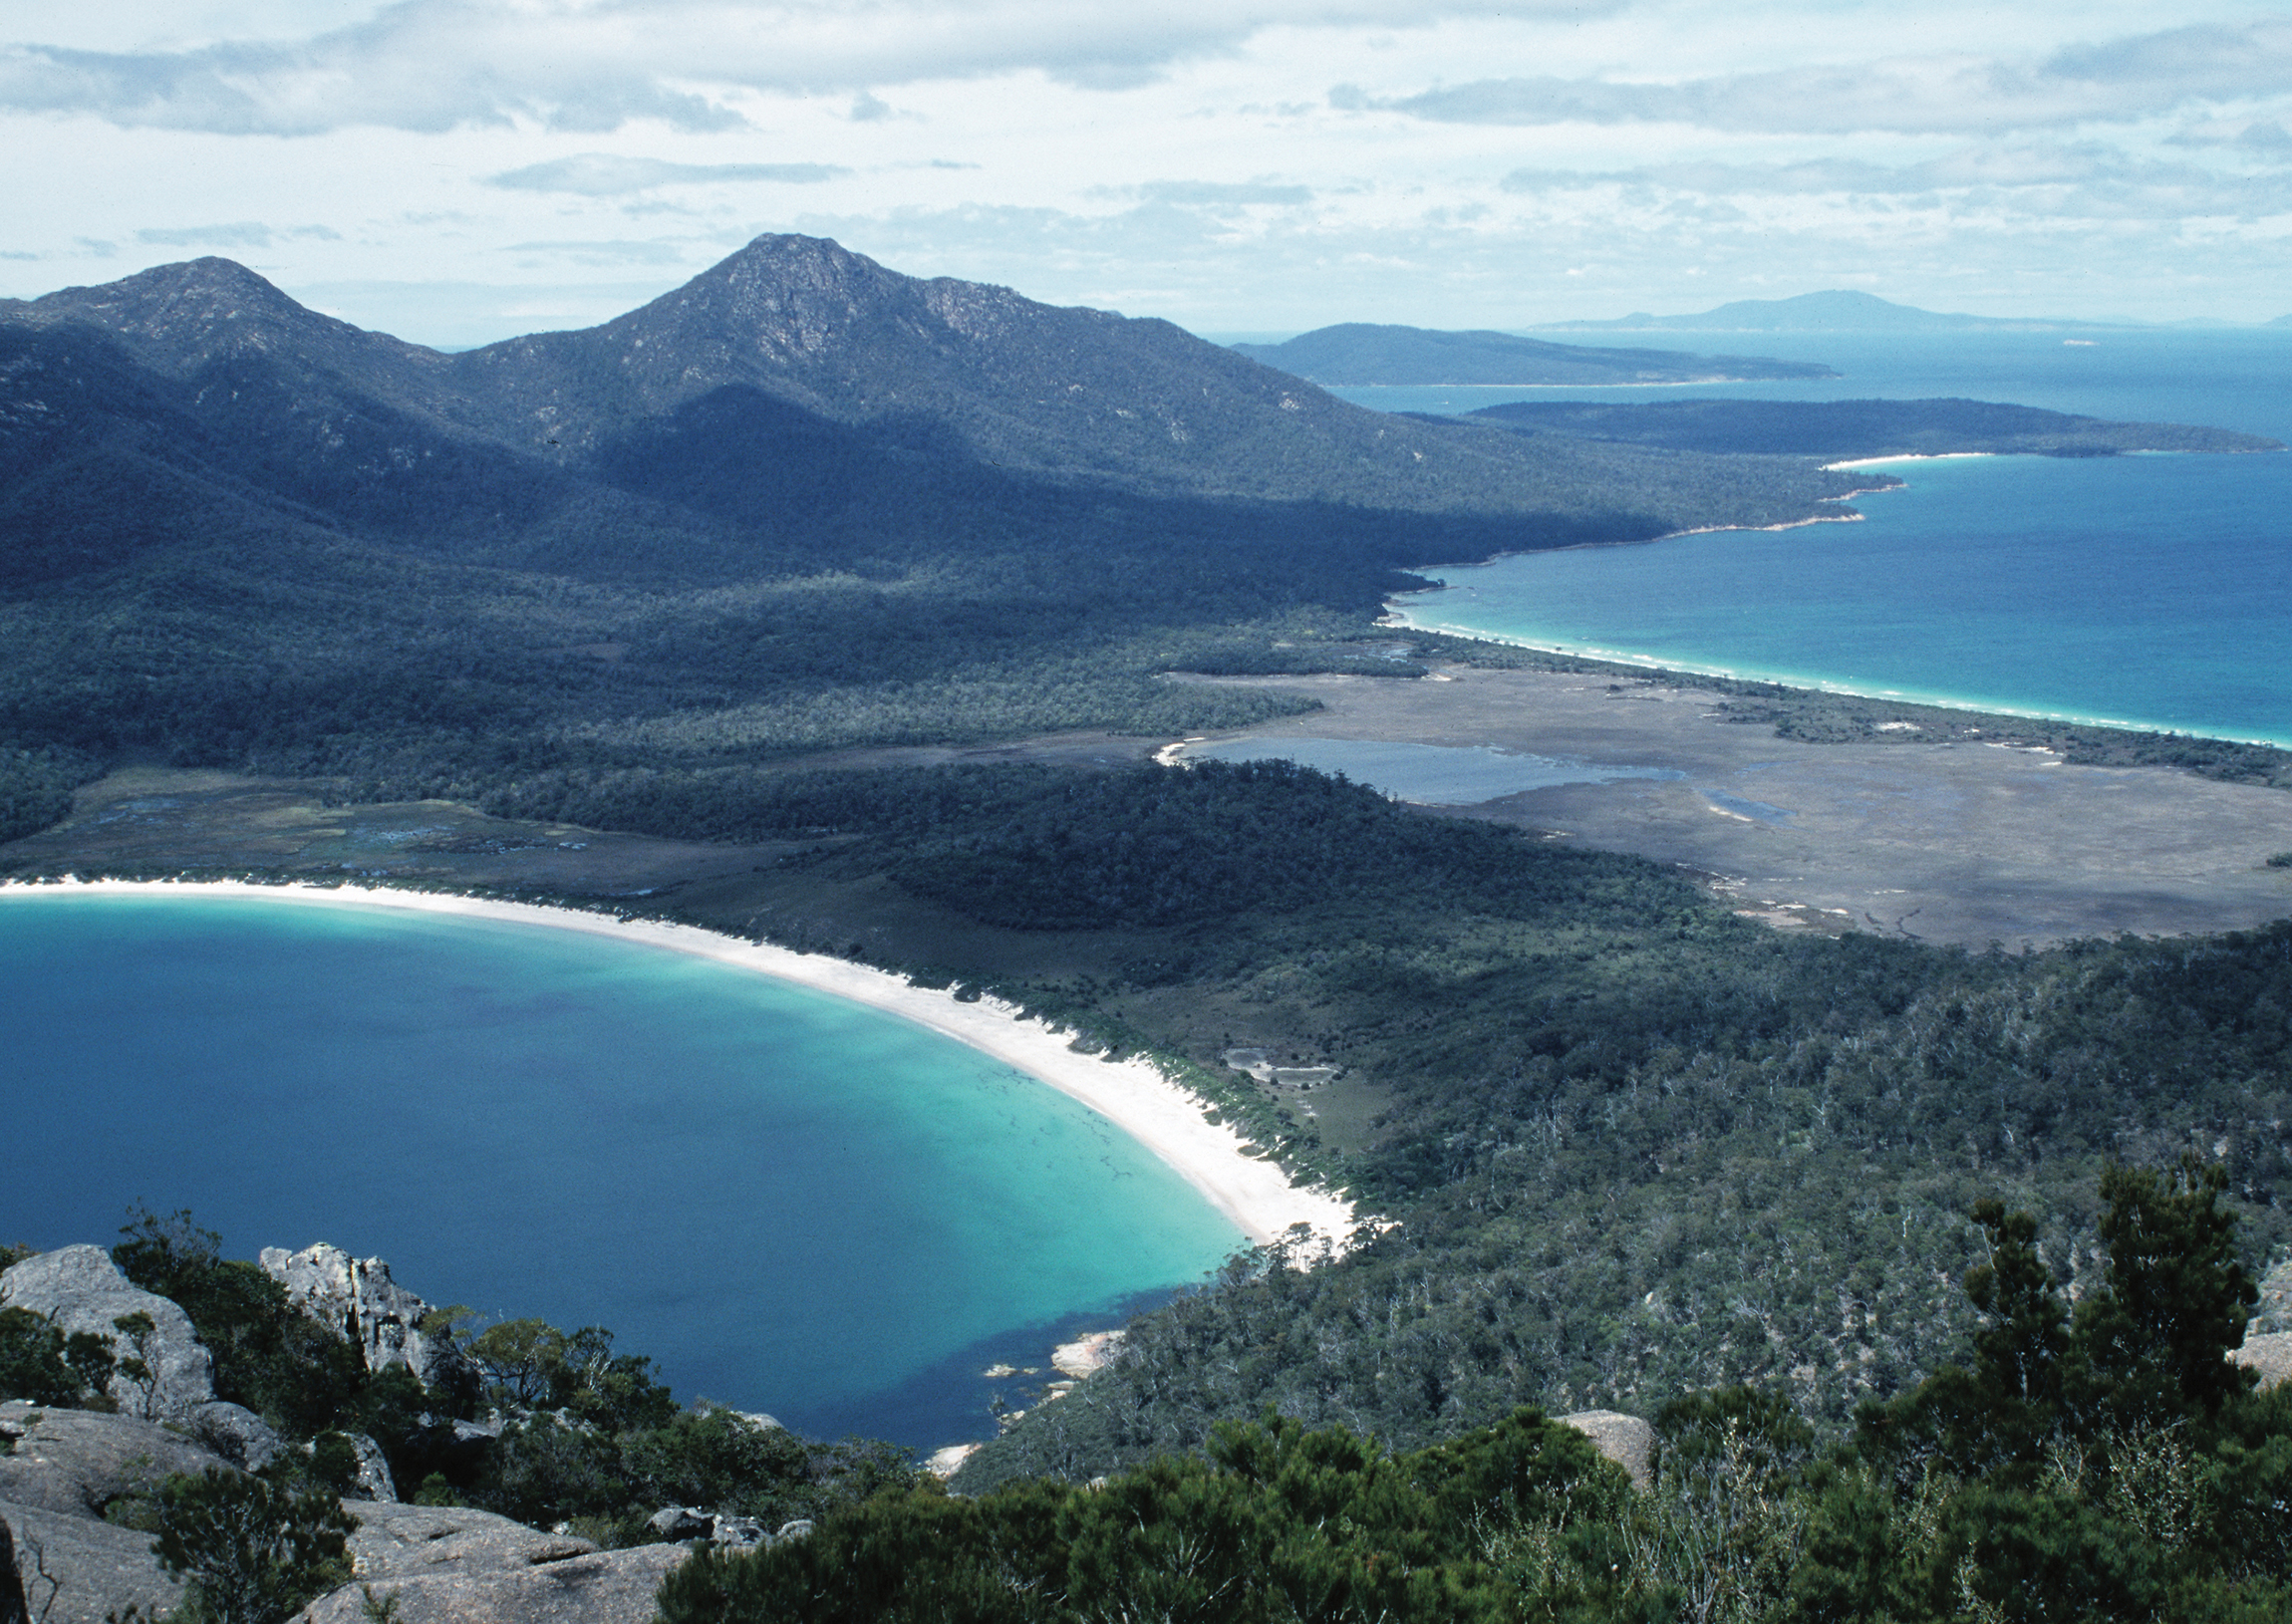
(1364, 353)
(1836, 311)
(1837, 429)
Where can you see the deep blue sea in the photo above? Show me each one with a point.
(792, 1202)
(2154, 590)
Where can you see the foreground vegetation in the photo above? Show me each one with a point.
(586, 1435)
(2101, 1461)
(2107, 1464)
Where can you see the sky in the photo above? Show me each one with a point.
(463, 170)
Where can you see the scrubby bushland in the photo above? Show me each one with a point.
(2105, 1464)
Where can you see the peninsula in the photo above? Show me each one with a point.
(1359, 352)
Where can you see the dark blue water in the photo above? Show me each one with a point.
(2154, 590)
(793, 1202)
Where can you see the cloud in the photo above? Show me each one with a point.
(605, 174)
(596, 65)
(1218, 194)
(418, 67)
(2119, 82)
(2266, 136)
(2037, 179)
(241, 234)
(605, 253)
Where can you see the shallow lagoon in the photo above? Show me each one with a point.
(1427, 774)
(793, 1202)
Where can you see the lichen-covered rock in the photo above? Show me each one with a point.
(236, 1434)
(357, 1299)
(66, 1469)
(600, 1587)
(398, 1541)
(1625, 1439)
(680, 1522)
(77, 1462)
(374, 1479)
(80, 1288)
(75, 1569)
(2271, 1355)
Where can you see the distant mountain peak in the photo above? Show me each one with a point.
(799, 299)
(182, 316)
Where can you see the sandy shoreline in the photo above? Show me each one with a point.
(1134, 1095)
(1399, 618)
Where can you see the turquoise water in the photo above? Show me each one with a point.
(793, 1202)
(2154, 590)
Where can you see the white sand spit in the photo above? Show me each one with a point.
(1134, 1095)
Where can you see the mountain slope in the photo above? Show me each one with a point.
(937, 372)
(816, 502)
(1357, 353)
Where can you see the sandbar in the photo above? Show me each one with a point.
(1133, 1093)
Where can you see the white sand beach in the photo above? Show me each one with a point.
(1134, 1095)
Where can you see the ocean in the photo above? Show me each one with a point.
(2145, 591)
(792, 1202)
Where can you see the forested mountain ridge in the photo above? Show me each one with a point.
(236, 531)
(941, 370)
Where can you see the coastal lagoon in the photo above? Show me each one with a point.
(792, 1202)
(2151, 591)
(1426, 774)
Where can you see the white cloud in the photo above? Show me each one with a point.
(598, 65)
(606, 174)
(2115, 82)
(241, 234)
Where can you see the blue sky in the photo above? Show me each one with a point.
(460, 170)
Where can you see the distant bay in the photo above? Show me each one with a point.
(792, 1202)
(2150, 590)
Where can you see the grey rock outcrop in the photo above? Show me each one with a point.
(1625, 1439)
(374, 1479)
(357, 1299)
(77, 1462)
(236, 1434)
(80, 1288)
(680, 1522)
(399, 1540)
(65, 1468)
(472, 1567)
(81, 1570)
(2271, 1355)
(601, 1587)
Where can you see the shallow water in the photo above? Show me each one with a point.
(792, 1202)
(1428, 774)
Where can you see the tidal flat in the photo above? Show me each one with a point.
(1960, 842)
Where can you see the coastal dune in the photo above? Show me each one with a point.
(1133, 1093)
